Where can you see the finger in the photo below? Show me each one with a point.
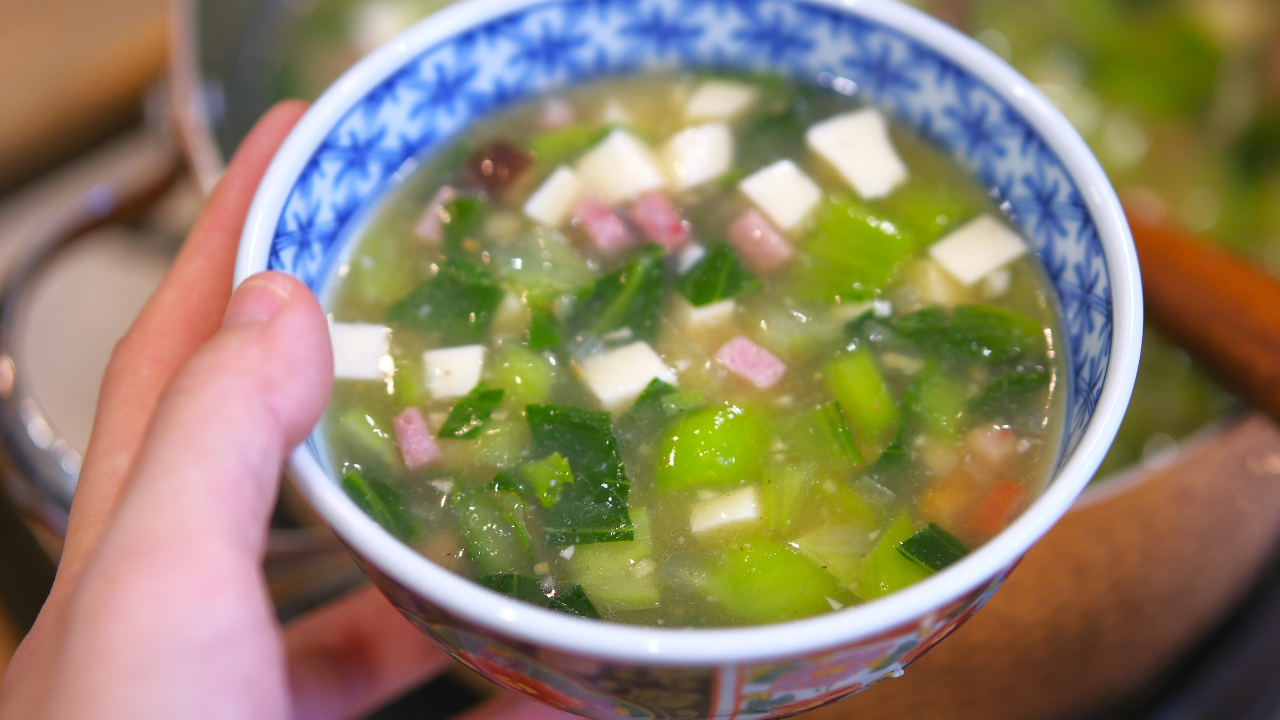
(355, 655)
(183, 312)
(510, 706)
(191, 526)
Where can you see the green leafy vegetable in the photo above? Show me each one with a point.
(856, 381)
(608, 570)
(548, 477)
(933, 547)
(573, 600)
(456, 306)
(555, 147)
(853, 253)
(630, 298)
(935, 402)
(822, 436)
(655, 408)
(929, 210)
(472, 411)
(762, 581)
(461, 219)
(526, 376)
(594, 507)
(1008, 391)
(492, 537)
(719, 275)
(544, 331)
(983, 332)
(384, 503)
(886, 570)
(721, 445)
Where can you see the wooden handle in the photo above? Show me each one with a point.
(1223, 310)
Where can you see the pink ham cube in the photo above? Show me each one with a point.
(759, 245)
(602, 226)
(751, 362)
(430, 226)
(417, 446)
(660, 221)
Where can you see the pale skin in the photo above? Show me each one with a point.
(160, 608)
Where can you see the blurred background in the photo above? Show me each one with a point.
(1158, 596)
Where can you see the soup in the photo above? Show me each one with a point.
(692, 351)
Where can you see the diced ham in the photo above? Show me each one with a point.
(659, 220)
(998, 507)
(417, 446)
(430, 226)
(602, 226)
(759, 245)
(992, 444)
(750, 361)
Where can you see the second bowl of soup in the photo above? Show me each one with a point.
(702, 361)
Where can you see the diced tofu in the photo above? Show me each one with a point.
(857, 145)
(360, 351)
(698, 154)
(980, 246)
(688, 257)
(619, 168)
(758, 244)
(452, 372)
(708, 316)
(659, 220)
(751, 362)
(783, 193)
(555, 114)
(719, 100)
(617, 377)
(739, 506)
(430, 225)
(417, 446)
(602, 226)
(613, 113)
(550, 204)
(935, 286)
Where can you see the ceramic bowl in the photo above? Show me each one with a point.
(373, 125)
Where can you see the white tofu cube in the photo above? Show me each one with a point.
(782, 192)
(708, 316)
(980, 246)
(731, 508)
(614, 113)
(619, 168)
(698, 154)
(360, 351)
(550, 204)
(618, 376)
(857, 145)
(719, 100)
(688, 257)
(452, 372)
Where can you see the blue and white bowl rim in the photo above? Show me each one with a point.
(475, 56)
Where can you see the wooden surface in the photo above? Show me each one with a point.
(71, 71)
(1126, 582)
(1223, 310)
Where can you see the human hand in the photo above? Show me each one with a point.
(160, 608)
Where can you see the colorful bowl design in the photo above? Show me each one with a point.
(421, 89)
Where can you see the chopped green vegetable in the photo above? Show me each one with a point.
(544, 331)
(785, 489)
(716, 446)
(853, 253)
(762, 581)
(542, 267)
(406, 382)
(983, 332)
(886, 570)
(358, 429)
(461, 219)
(492, 538)
(548, 477)
(855, 379)
(821, 435)
(384, 503)
(510, 481)
(838, 549)
(654, 410)
(556, 147)
(525, 375)
(929, 210)
(935, 402)
(933, 547)
(608, 570)
(594, 507)
(573, 600)
(719, 275)
(456, 306)
(500, 444)
(472, 411)
(1008, 391)
(630, 299)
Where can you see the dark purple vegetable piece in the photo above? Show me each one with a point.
(498, 166)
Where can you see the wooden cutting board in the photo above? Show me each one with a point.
(71, 72)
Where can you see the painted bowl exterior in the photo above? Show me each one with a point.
(421, 89)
